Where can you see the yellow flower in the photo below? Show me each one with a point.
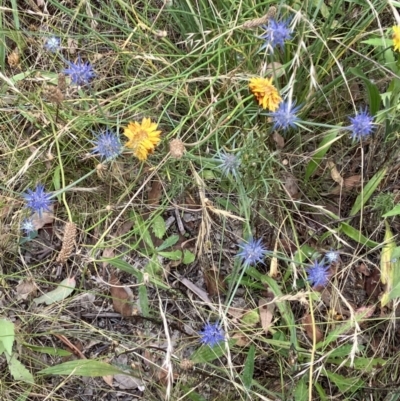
(142, 138)
(396, 38)
(266, 93)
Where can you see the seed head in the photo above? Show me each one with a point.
(176, 148)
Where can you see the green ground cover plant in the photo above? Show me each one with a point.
(199, 200)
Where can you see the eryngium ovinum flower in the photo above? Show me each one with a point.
(52, 44)
(228, 163)
(27, 226)
(107, 145)
(37, 200)
(212, 334)
(80, 73)
(276, 33)
(252, 252)
(318, 274)
(332, 256)
(285, 116)
(361, 125)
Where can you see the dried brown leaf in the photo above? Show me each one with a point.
(122, 297)
(348, 183)
(46, 218)
(335, 173)
(72, 45)
(214, 281)
(266, 313)
(109, 380)
(279, 140)
(291, 186)
(241, 340)
(308, 327)
(154, 195)
(25, 289)
(363, 269)
(108, 253)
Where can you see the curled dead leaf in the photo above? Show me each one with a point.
(266, 313)
(25, 289)
(290, 185)
(348, 183)
(122, 297)
(214, 281)
(335, 173)
(309, 327)
(279, 140)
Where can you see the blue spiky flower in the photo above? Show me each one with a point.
(285, 116)
(361, 125)
(318, 274)
(212, 334)
(38, 200)
(252, 252)
(81, 73)
(52, 44)
(27, 226)
(229, 163)
(332, 256)
(107, 145)
(276, 33)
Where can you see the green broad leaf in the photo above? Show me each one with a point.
(207, 354)
(324, 146)
(188, 257)
(173, 255)
(345, 384)
(170, 241)
(63, 290)
(144, 301)
(394, 212)
(357, 236)
(251, 318)
(367, 192)
(321, 392)
(158, 226)
(48, 350)
(141, 229)
(2, 348)
(366, 365)
(19, 372)
(301, 390)
(374, 97)
(378, 42)
(207, 175)
(82, 367)
(248, 370)
(7, 335)
(126, 267)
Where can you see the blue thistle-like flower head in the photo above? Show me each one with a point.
(361, 125)
(107, 145)
(38, 200)
(28, 226)
(332, 256)
(81, 73)
(276, 33)
(285, 116)
(212, 334)
(252, 252)
(52, 44)
(229, 163)
(318, 274)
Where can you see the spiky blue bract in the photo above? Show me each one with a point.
(37, 200)
(252, 252)
(80, 73)
(27, 226)
(229, 163)
(212, 334)
(361, 125)
(107, 145)
(276, 33)
(52, 44)
(285, 116)
(332, 256)
(318, 274)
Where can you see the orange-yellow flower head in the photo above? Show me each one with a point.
(266, 94)
(142, 138)
(396, 38)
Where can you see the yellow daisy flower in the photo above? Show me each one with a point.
(142, 138)
(396, 38)
(266, 94)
